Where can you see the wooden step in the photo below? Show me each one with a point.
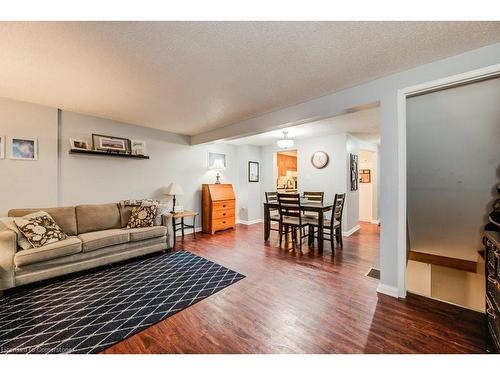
(438, 260)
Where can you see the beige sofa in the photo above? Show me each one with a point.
(97, 235)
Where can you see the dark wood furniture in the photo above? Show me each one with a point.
(181, 226)
(218, 207)
(333, 227)
(291, 218)
(305, 204)
(274, 215)
(314, 196)
(492, 273)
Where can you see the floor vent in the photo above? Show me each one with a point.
(375, 273)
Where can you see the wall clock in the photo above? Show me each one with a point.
(319, 159)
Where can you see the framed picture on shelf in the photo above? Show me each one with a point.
(138, 147)
(110, 143)
(364, 176)
(78, 144)
(2, 146)
(253, 171)
(23, 148)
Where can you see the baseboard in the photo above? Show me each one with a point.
(352, 231)
(375, 222)
(387, 289)
(250, 222)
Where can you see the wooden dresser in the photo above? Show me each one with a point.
(218, 207)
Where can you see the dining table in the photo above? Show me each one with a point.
(307, 205)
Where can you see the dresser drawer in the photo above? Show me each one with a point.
(223, 205)
(222, 214)
(219, 224)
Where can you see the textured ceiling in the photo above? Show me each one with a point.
(191, 77)
(364, 125)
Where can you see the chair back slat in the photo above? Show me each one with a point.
(271, 196)
(289, 205)
(338, 207)
(314, 196)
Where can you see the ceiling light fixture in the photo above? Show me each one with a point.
(285, 142)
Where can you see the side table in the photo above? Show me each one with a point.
(180, 226)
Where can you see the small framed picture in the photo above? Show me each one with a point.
(138, 147)
(216, 161)
(253, 171)
(109, 143)
(23, 148)
(2, 146)
(78, 144)
(364, 176)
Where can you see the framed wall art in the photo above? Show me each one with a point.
(21, 148)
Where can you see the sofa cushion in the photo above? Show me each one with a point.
(69, 246)
(97, 217)
(65, 217)
(97, 240)
(125, 213)
(139, 234)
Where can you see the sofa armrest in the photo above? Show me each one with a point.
(166, 220)
(8, 248)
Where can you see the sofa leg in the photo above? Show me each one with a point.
(1, 294)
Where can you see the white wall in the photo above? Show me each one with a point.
(384, 91)
(28, 183)
(100, 179)
(249, 193)
(453, 159)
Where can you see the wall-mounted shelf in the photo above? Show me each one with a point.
(101, 153)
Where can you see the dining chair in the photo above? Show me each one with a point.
(292, 218)
(332, 228)
(313, 196)
(274, 214)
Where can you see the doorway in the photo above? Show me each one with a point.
(286, 171)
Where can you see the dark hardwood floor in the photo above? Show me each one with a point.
(291, 303)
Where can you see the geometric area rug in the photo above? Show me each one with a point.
(88, 313)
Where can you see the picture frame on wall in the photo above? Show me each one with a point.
(364, 176)
(21, 148)
(138, 147)
(79, 144)
(353, 162)
(108, 143)
(2, 146)
(253, 171)
(216, 161)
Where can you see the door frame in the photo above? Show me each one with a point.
(472, 76)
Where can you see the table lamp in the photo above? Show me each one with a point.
(218, 165)
(173, 189)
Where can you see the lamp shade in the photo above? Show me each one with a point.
(173, 189)
(218, 165)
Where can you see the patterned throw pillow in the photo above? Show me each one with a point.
(40, 229)
(142, 216)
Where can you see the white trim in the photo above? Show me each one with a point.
(375, 221)
(250, 222)
(422, 88)
(351, 231)
(388, 289)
